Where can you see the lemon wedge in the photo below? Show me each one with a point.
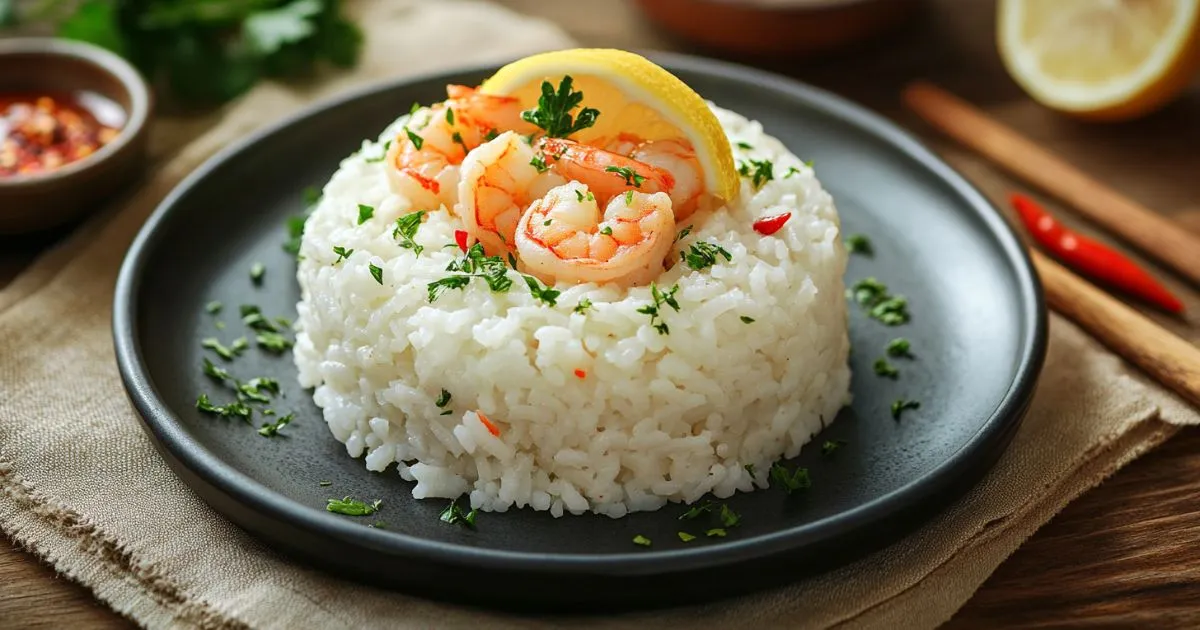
(1101, 59)
(634, 96)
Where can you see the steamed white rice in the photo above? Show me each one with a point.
(655, 418)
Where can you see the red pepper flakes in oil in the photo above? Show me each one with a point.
(39, 133)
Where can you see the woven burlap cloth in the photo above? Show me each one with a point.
(82, 488)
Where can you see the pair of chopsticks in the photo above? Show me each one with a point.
(1173, 361)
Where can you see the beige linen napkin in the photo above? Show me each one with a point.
(81, 486)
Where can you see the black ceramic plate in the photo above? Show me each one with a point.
(978, 330)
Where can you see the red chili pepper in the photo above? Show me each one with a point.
(1092, 258)
(771, 225)
(493, 429)
(460, 237)
(580, 374)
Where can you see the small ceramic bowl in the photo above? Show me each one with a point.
(56, 197)
(773, 28)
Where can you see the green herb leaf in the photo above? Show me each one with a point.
(211, 343)
(454, 514)
(255, 320)
(716, 532)
(831, 446)
(257, 270)
(702, 255)
(745, 146)
(759, 171)
(352, 507)
(406, 231)
(791, 481)
(450, 116)
(792, 170)
(376, 272)
(235, 409)
(271, 429)
(606, 230)
(417, 141)
(543, 294)
(216, 373)
(868, 292)
(583, 306)
(631, 177)
(899, 347)
(859, 244)
(685, 537)
(492, 134)
(682, 233)
(747, 320)
(553, 112)
(901, 405)
(729, 518)
(270, 30)
(696, 511)
(365, 212)
(437, 287)
(272, 341)
(655, 310)
(443, 399)
(891, 312)
(885, 369)
(324, 483)
(96, 22)
(539, 163)
(342, 253)
(474, 264)
(641, 541)
(212, 308)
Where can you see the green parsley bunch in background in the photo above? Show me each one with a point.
(204, 52)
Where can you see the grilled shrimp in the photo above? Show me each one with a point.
(563, 236)
(423, 159)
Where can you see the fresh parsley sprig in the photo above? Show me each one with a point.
(655, 310)
(406, 231)
(703, 255)
(553, 111)
(474, 264)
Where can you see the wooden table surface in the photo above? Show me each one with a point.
(1125, 553)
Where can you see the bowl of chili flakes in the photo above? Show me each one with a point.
(73, 130)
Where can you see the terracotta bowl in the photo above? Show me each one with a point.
(763, 28)
(45, 200)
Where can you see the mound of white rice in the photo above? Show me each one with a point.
(648, 418)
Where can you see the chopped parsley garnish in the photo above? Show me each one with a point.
(792, 170)
(859, 244)
(641, 541)
(379, 158)
(254, 388)
(219, 325)
(578, 195)
(703, 255)
(696, 511)
(455, 515)
(376, 272)
(899, 347)
(539, 163)
(271, 429)
(583, 306)
(212, 308)
(253, 318)
(791, 481)
(553, 112)
(211, 343)
(545, 223)
(606, 230)
(352, 507)
(749, 468)
(215, 372)
(406, 230)
(759, 171)
(295, 228)
(492, 134)
(416, 140)
(901, 405)
(273, 341)
(747, 320)
(458, 139)
(885, 368)
(745, 146)
(257, 271)
(728, 517)
(342, 253)
(891, 312)
(544, 294)
(324, 483)
(450, 116)
(631, 177)
(312, 195)
(512, 261)
(682, 233)
(474, 264)
(416, 107)
(239, 345)
(685, 537)
(716, 532)
(365, 212)
(446, 412)
(443, 399)
(869, 292)
(654, 310)
(830, 446)
(628, 197)
(237, 409)
(809, 163)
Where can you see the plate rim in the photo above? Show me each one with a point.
(166, 428)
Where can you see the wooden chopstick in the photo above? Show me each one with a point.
(1157, 237)
(1169, 359)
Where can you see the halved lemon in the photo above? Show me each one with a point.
(1101, 59)
(634, 96)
